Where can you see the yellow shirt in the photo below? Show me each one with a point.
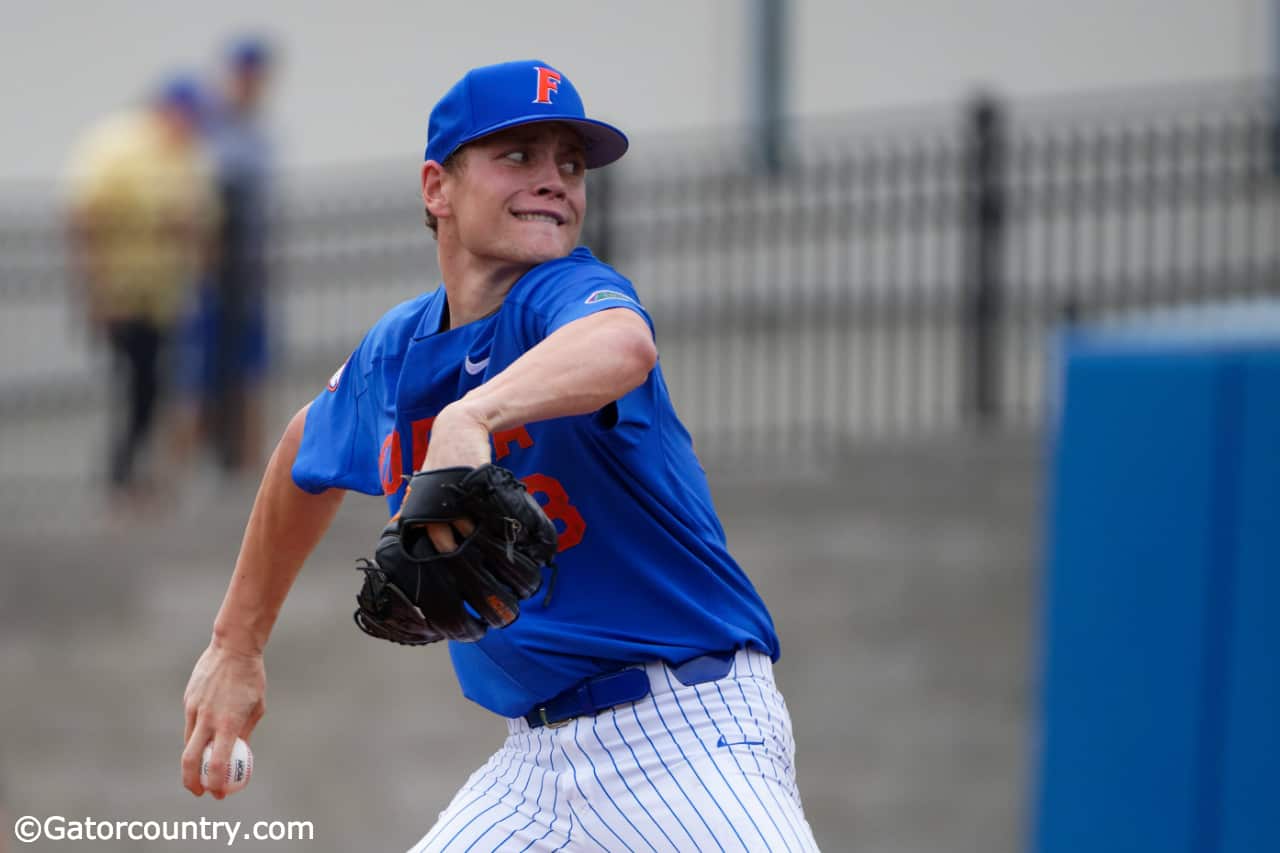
(147, 208)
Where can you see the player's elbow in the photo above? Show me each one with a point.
(637, 352)
(293, 432)
(287, 450)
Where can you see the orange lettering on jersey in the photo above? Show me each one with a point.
(558, 508)
(389, 463)
(548, 82)
(502, 441)
(421, 436)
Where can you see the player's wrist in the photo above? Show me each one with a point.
(236, 640)
(469, 411)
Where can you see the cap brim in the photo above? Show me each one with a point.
(603, 142)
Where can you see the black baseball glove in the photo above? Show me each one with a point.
(414, 595)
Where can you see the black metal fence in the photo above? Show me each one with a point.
(898, 276)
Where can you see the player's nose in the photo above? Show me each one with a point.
(549, 180)
(551, 188)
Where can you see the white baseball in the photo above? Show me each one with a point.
(239, 768)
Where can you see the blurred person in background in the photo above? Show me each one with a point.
(142, 212)
(224, 356)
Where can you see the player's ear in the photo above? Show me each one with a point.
(433, 190)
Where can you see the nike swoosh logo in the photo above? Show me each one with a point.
(723, 742)
(474, 367)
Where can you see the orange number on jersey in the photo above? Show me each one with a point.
(502, 441)
(389, 462)
(558, 508)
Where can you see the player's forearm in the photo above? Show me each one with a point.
(283, 529)
(578, 369)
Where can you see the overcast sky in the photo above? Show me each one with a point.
(359, 79)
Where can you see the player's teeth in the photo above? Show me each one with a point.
(537, 217)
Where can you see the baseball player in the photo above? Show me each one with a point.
(634, 668)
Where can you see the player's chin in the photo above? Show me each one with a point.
(542, 248)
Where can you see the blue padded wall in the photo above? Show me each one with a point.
(1249, 807)
(1160, 683)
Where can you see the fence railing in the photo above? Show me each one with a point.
(899, 281)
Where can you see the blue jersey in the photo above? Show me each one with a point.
(643, 570)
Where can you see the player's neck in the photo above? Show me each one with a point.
(475, 286)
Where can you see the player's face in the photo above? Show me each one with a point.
(520, 194)
(177, 125)
(245, 88)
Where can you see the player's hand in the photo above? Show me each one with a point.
(458, 437)
(225, 699)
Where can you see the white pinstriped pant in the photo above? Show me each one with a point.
(707, 767)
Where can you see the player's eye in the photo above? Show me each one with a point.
(572, 167)
(517, 156)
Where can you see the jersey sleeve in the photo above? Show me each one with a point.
(339, 446)
(559, 302)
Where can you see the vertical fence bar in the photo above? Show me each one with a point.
(801, 243)
(1272, 121)
(1069, 278)
(1270, 268)
(1122, 204)
(602, 201)
(732, 198)
(755, 351)
(892, 323)
(1019, 337)
(1097, 207)
(1148, 205)
(949, 209)
(1263, 278)
(1201, 200)
(842, 310)
(1177, 290)
(985, 237)
(788, 287)
(702, 226)
(818, 325)
(915, 307)
(1230, 199)
(864, 317)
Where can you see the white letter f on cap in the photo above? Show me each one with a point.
(548, 82)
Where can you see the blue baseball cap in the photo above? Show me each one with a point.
(181, 91)
(249, 53)
(510, 94)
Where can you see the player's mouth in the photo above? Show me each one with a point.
(539, 216)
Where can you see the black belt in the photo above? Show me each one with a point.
(601, 692)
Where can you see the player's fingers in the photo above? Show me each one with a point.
(442, 537)
(190, 714)
(191, 755)
(220, 758)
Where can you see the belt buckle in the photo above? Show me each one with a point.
(542, 714)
